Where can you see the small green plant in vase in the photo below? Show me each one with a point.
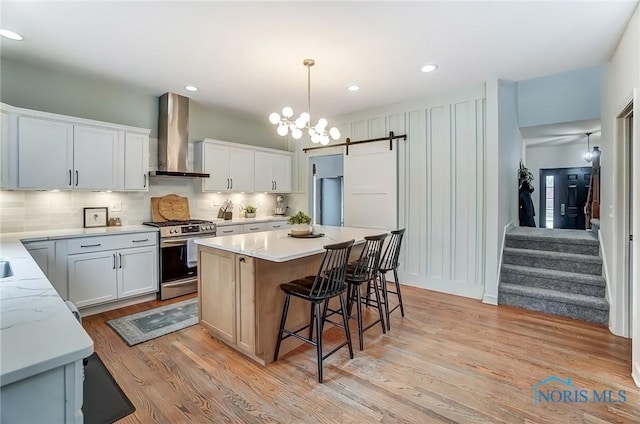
(250, 211)
(300, 224)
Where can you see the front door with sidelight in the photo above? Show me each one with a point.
(563, 194)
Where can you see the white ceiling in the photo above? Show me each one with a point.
(247, 56)
(562, 133)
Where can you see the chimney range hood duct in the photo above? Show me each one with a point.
(173, 137)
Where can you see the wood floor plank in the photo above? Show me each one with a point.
(450, 360)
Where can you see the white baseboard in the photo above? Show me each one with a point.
(635, 374)
(490, 299)
(98, 309)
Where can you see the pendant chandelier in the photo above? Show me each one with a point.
(286, 123)
(588, 155)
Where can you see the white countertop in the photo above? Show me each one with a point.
(72, 233)
(277, 246)
(37, 330)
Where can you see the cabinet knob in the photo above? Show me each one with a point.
(242, 260)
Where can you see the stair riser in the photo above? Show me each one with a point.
(583, 313)
(554, 264)
(581, 249)
(551, 284)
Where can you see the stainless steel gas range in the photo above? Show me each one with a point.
(178, 255)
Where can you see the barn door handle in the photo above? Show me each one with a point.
(562, 209)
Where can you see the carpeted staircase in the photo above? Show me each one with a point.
(554, 271)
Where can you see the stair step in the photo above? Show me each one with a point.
(569, 282)
(585, 308)
(553, 244)
(560, 261)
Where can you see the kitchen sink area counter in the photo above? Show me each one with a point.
(41, 344)
(240, 300)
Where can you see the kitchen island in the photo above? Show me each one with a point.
(239, 279)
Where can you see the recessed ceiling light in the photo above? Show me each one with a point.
(191, 88)
(10, 34)
(429, 68)
(353, 87)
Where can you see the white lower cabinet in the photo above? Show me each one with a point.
(228, 230)
(278, 225)
(100, 276)
(53, 396)
(51, 257)
(254, 228)
(92, 278)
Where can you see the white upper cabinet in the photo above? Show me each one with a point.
(230, 168)
(136, 161)
(4, 149)
(243, 169)
(273, 172)
(45, 154)
(46, 151)
(96, 153)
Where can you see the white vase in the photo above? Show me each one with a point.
(300, 229)
(249, 215)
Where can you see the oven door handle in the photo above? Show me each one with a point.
(173, 242)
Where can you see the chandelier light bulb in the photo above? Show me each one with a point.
(305, 117)
(587, 156)
(322, 124)
(300, 122)
(274, 118)
(324, 140)
(315, 138)
(334, 133)
(283, 129)
(296, 133)
(287, 112)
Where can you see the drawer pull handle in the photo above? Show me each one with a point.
(139, 241)
(276, 226)
(254, 228)
(114, 261)
(91, 245)
(227, 231)
(242, 260)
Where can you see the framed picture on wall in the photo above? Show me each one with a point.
(95, 217)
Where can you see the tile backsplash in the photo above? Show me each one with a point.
(41, 210)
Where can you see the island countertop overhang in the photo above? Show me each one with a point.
(278, 246)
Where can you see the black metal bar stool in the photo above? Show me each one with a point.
(389, 262)
(327, 284)
(365, 270)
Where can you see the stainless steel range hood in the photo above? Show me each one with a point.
(173, 137)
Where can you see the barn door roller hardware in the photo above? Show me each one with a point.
(390, 139)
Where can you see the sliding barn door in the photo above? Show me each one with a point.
(370, 182)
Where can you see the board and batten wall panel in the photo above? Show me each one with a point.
(440, 187)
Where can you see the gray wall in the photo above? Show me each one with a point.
(564, 97)
(51, 90)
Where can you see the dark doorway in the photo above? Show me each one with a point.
(563, 194)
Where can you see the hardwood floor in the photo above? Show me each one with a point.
(450, 360)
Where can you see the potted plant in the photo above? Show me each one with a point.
(250, 211)
(300, 224)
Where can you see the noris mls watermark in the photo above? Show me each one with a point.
(556, 390)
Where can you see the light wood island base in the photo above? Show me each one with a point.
(240, 300)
